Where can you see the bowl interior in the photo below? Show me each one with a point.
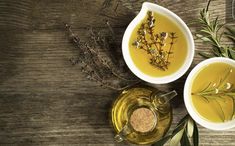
(188, 100)
(174, 18)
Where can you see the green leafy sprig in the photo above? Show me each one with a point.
(219, 90)
(182, 134)
(210, 33)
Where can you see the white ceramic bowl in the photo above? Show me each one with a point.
(172, 16)
(188, 101)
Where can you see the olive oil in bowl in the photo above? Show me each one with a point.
(158, 46)
(209, 93)
(213, 92)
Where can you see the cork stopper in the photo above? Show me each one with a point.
(143, 120)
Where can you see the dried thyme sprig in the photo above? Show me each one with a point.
(185, 129)
(94, 65)
(214, 91)
(156, 45)
(172, 37)
(210, 33)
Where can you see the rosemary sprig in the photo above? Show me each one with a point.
(231, 34)
(185, 129)
(210, 33)
(214, 91)
(156, 45)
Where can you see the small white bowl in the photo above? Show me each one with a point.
(172, 16)
(188, 100)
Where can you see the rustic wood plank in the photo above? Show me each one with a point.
(36, 14)
(44, 100)
(31, 14)
(41, 78)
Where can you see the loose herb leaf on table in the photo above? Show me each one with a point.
(210, 33)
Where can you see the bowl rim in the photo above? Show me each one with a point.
(188, 103)
(184, 28)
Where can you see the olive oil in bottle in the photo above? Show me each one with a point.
(142, 115)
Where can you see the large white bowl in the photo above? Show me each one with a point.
(188, 100)
(172, 16)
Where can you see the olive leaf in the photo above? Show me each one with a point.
(185, 141)
(183, 120)
(190, 127)
(175, 140)
(162, 141)
(185, 127)
(180, 124)
(195, 134)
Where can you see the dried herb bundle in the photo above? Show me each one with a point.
(219, 90)
(97, 67)
(156, 45)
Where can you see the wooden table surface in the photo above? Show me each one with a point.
(44, 100)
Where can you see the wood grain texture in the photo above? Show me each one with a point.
(44, 100)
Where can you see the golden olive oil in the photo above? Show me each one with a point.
(215, 83)
(129, 102)
(141, 58)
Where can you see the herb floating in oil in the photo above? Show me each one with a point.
(156, 45)
(215, 91)
(210, 33)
